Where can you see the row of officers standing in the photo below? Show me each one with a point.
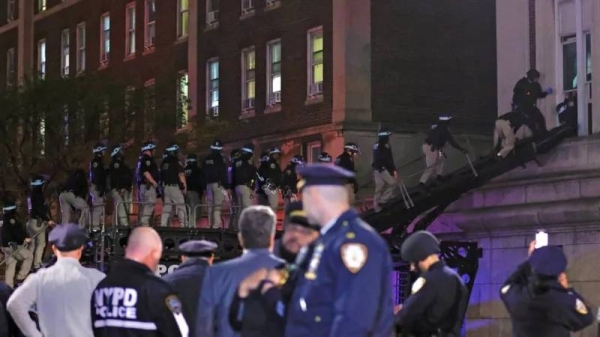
(178, 185)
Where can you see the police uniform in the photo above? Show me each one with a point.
(245, 176)
(146, 190)
(504, 130)
(290, 179)
(195, 184)
(60, 293)
(97, 185)
(538, 304)
(269, 179)
(345, 290)
(73, 193)
(187, 279)
(39, 215)
(439, 298)
(120, 180)
(346, 161)
(383, 170)
(13, 237)
(234, 157)
(133, 302)
(433, 148)
(526, 93)
(173, 181)
(215, 176)
(324, 158)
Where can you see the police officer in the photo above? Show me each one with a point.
(433, 148)
(174, 187)
(147, 177)
(540, 300)
(39, 218)
(230, 197)
(298, 233)
(120, 179)
(567, 110)
(131, 300)
(245, 176)
(14, 245)
(74, 191)
(290, 179)
(196, 256)
(526, 93)
(324, 158)
(97, 185)
(265, 187)
(61, 292)
(346, 160)
(439, 298)
(195, 184)
(385, 175)
(349, 257)
(215, 175)
(504, 132)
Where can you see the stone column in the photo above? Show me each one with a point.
(545, 41)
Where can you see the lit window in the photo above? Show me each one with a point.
(183, 18)
(313, 150)
(569, 47)
(41, 5)
(130, 23)
(105, 41)
(41, 66)
(65, 46)
(10, 67)
(183, 103)
(315, 71)
(149, 107)
(150, 20)
(11, 13)
(80, 47)
(212, 12)
(212, 84)
(274, 72)
(248, 78)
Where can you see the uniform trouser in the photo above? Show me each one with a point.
(351, 196)
(523, 132)
(269, 199)
(172, 195)
(192, 199)
(504, 131)
(122, 200)
(20, 254)
(37, 232)
(214, 198)
(244, 196)
(68, 200)
(147, 196)
(385, 186)
(434, 162)
(97, 206)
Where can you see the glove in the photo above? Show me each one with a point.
(549, 91)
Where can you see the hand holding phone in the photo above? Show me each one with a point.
(541, 239)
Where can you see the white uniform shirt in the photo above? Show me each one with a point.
(62, 295)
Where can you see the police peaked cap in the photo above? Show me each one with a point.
(37, 180)
(444, 118)
(548, 261)
(295, 214)
(9, 206)
(418, 246)
(148, 146)
(384, 132)
(264, 156)
(323, 175)
(248, 148)
(352, 147)
(116, 150)
(197, 248)
(216, 144)
(298, 159)
(99, 147)
(324, 157)
(68, 237)
(275, 150)
(191, 158)
(172, 148)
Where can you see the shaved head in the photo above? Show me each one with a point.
(322, 202)
(144, 246)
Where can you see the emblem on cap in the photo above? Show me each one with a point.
(418, 285)
(354, 256)
(580, 307)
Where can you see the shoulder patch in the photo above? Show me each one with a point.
(116, 165)
(174, 304)
(505, 289)
(418, 285)
(580, 307)
(95, 164)
(147, 162)
(288, 171)
(272, 166)
(387, 145)
(12, 221)
(354, 256)
(238, 164)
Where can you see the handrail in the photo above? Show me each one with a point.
(118, 204)
(25, 245)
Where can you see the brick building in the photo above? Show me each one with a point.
(305, 75)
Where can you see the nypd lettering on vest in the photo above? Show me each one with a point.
(116, 303)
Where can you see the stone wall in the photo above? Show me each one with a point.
(561, 197)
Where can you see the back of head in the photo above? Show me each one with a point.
(257, 227)
(418, 246)
(144, 246)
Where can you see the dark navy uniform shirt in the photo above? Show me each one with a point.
(98, 173)
(146, 164)
(215, 170)
(346, 161)
(37, 205)
(12, 231)
(439, 136)
(346, 289)
(119, 175)
(76, 183)
(290, 178)
(194, 177)
(526, 93)
(170, 168)
(244, 173)
(437, 303)
(553, 312)
(383, 158)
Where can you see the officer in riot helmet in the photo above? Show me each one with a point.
(526, 93)
(324, 158)
(120, 178)
(215, 176)
(245, 176)
(74, 192)
(172, 177)
(195, 184)
(97, 182)
(147, 177)
(385, 174)
(264, 186)
(346, 160)
(39, 219)
(289, 184)
(14, 239)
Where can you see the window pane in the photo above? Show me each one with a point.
(276, 53)
(318, 57)
(569, 66)
(214, 101)
(250, 89)
(183, 5)
(106, 22)
(250, 60)
(317, 42)
(588, 56)
(185, 22)
(131, 42)
(214, 70)
(131, 17)
(107, 46)
(317, 73)
(276, 83)
(276, 68)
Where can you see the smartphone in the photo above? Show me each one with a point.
(541, 239)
